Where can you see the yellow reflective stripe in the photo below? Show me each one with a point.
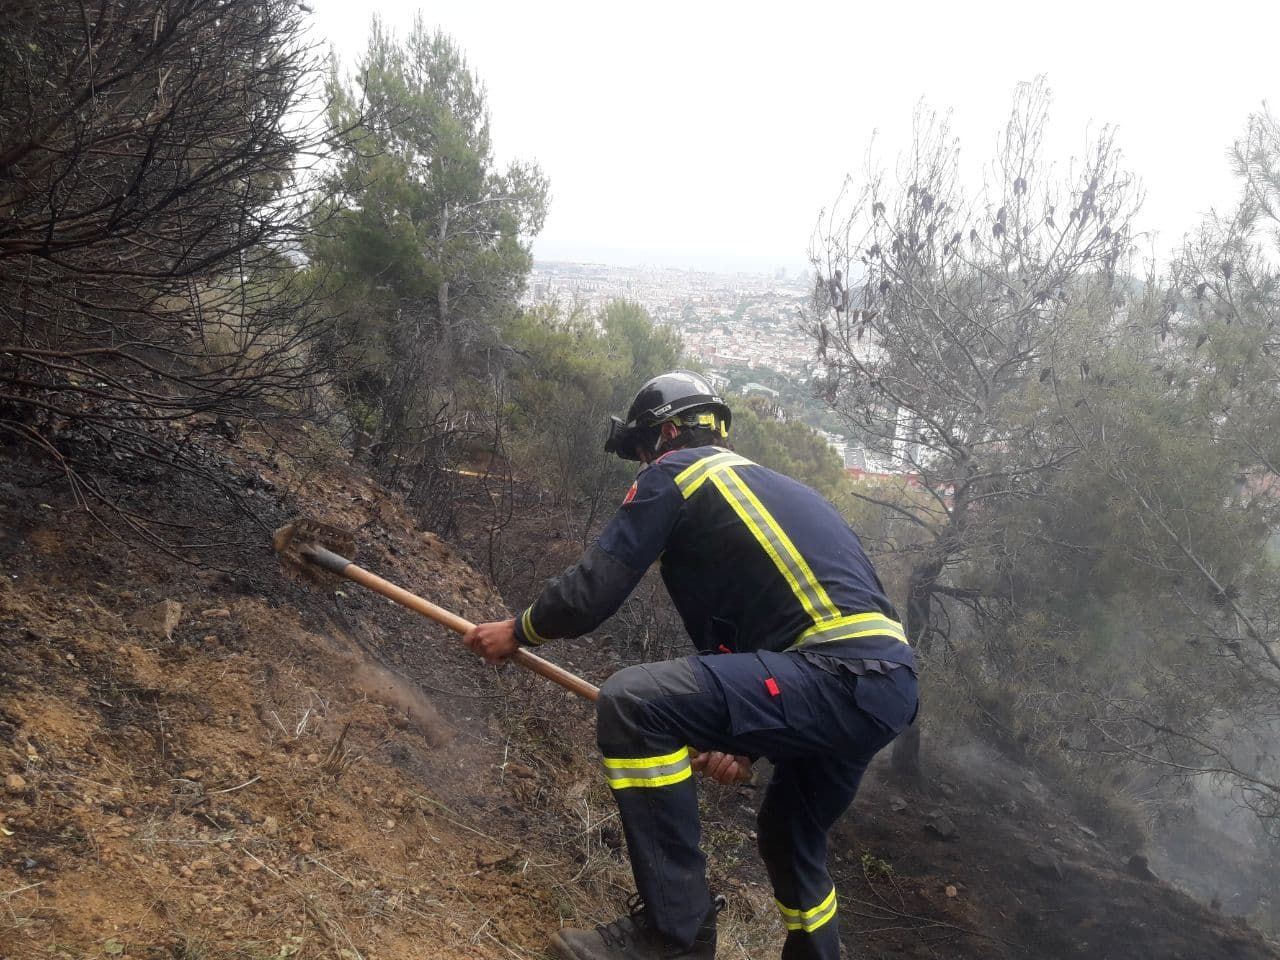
(663, 781)
(812, 911)
(807, 577)
(662, 771)
(683, 476)
(693, 477)
(526, 624)
(777, 544)
(811, 919)
(872, 624)
(632, 763)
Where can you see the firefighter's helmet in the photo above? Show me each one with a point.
(684, 397)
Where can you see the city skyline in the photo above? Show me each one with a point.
(741, 327)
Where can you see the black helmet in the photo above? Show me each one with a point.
(661, 399)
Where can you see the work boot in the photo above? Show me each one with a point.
(633, 937)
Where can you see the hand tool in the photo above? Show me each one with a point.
(315, 549)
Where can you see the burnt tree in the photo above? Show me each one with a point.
(152, 208)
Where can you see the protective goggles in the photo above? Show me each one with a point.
(621, 439)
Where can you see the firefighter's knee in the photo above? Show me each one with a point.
(623, 710)
(620, 706)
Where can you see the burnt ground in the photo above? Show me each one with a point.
(281, 770)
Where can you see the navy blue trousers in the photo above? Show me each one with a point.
(820, 727)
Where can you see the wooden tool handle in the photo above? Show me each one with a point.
(459, 625)
(570, 681)
(343, 567)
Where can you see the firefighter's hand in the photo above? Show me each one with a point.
(723, 767)
(494, 641)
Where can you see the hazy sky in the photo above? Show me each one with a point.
(711, 134)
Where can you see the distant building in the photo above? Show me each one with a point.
(759, 388)
(865, 462)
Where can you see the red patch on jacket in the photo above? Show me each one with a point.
(771, 685)
(631, 495)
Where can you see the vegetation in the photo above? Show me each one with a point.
(1091, 561)
(153, 187)
(422, 257)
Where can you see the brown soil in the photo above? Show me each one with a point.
(298, 772)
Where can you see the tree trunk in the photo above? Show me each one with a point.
(442, 291)
(905, 759)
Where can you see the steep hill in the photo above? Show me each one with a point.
(206, 759)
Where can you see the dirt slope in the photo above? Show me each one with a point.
(276, 771)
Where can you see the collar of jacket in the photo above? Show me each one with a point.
(702, 451)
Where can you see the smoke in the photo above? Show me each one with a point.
(379, 682)
(392, 690)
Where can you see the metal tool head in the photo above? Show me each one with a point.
(300, 542)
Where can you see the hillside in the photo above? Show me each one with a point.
(204, 758)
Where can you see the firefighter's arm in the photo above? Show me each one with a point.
(589, 592)
(578, 600)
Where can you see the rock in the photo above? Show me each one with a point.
(159, 619)
(15, 784)
(217, 613)
(1138, 867)
(952, 892)
(897, 804)
(943, 828)
(1044, 863)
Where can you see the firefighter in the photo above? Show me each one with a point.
(801, 659)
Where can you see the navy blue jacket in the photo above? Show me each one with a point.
(753, 560)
